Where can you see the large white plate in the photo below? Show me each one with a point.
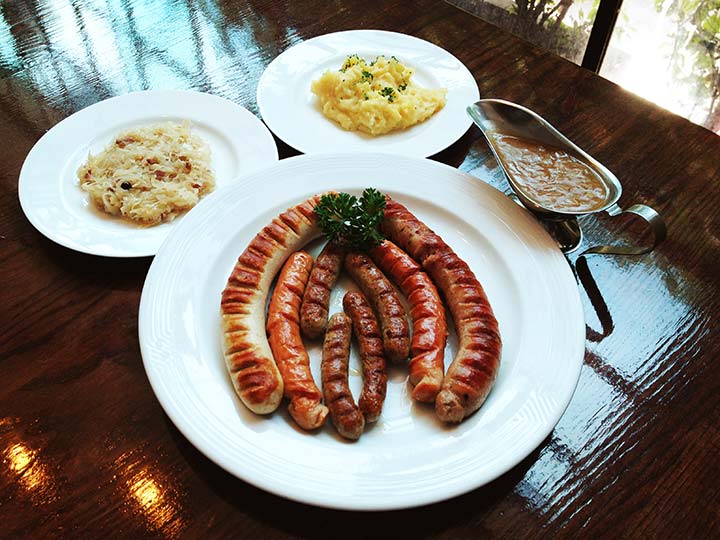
(54, 203)
(409, 458)
(292, 112)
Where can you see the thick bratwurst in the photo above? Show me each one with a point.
(248, 357)
(473, 371)
(283, 330)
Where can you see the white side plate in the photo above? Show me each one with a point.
(408, 458)
(49, 189)
(292, 112)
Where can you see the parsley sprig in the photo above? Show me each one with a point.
(350, 221)
(389, 93)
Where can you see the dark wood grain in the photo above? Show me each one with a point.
(87, 451)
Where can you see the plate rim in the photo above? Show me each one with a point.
(299, 146)
(23, 188)
(436, 496)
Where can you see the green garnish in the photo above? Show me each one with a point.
(366, 76)
(402, 87)
(350, 221)
(389, 93)
(351, 60)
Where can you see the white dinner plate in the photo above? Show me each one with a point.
(409, 457)
(292, 112)
(49, 189)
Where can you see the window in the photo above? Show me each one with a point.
(667, 51)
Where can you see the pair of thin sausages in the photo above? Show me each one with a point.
(386, 303)
(349, 418)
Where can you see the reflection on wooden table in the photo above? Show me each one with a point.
(86, 448)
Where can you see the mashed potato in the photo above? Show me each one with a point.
(376, 97)
(149, 174)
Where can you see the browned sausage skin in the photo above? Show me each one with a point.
(346, 416)
(472, 373)
(427, 348)
(248, 357)
(283, 329)
(386, 303)
(325, 271)
(367, 333)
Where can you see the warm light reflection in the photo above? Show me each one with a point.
(31, 474)
(19, 457)
(152, 500)
(148, 496)
(146, 491)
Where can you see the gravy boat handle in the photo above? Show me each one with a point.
(651, 217)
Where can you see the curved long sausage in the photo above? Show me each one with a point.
(372, 357)
(283, 330)
(472, 373)
(248, 358)
(383, 298)
(325, 271)
(427, 348)
(345, 414)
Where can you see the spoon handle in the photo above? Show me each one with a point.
(651, 217)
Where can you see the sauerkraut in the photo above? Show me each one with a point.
(149, 174)
(376, 97)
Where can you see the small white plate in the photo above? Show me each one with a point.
(49, 189)
(408, 458)
(292, 112)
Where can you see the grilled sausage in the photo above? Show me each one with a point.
(248, 358)
(372, 358)
(346, 416)
(283, 330)
(325, 271)
(381, 294)
(472, 373)
(427, 312)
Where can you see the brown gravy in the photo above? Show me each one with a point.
(551, 177)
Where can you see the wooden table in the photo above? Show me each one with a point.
(87, 451)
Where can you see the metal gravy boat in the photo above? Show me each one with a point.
(496, 117)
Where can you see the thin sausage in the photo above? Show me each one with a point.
(372, 357)
(283, 330)
(248, 357)
(427, 348)
(325, 271)
(386, 303)
(472, 373)
(345, 414)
